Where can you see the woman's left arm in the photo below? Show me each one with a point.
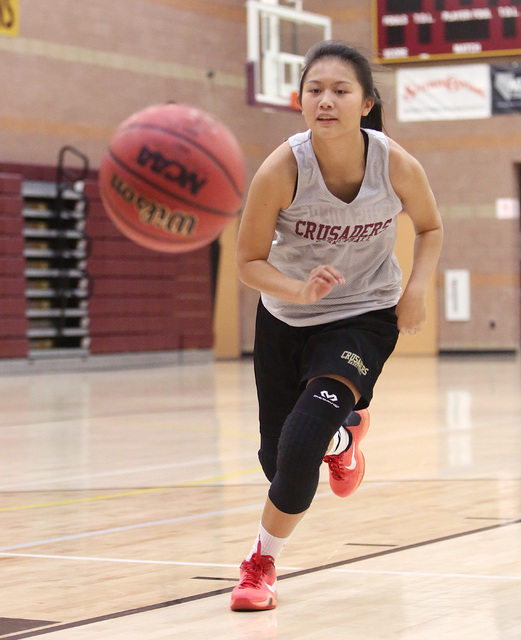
(412, 187)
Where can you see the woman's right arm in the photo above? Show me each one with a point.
(270, 191)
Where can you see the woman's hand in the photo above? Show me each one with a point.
(320, 282)
(411, 312)
(411, 185)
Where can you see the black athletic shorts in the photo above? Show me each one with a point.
(286, 357)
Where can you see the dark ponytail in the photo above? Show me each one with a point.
(374, 119)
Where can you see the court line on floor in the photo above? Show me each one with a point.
(144, 525)
(295, 574)
(44, 556)
(193, 462)
(201, 481)
(407, 547)
(210, 565)
(427, 574)
(132, 527)
(59, 503)
(134, 492)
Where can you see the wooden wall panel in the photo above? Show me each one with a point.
(13, 322)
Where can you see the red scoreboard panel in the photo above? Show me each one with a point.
(412, 30)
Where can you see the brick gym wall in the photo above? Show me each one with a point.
(71, 79)
(140, 300)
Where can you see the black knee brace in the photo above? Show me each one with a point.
(306, 434)
(268, 456)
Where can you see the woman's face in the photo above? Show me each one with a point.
(333, 99)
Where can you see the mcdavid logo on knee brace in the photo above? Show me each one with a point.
(330, 398)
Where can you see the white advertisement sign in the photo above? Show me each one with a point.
(459, 92)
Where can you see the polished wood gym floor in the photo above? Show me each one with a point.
(129, 498)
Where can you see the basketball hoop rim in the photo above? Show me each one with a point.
(295, 104)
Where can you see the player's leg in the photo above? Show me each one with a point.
(304, 440)
(277, 378)
(365, 343)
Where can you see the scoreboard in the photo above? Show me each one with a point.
(422, 30)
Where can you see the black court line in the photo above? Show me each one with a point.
(214, 578)
(486, 518)
(294, 574)
(368, 544)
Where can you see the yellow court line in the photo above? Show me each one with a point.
(78, 500)
(127, 493)
(223, 477)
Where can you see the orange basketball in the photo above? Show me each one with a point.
(172, 178)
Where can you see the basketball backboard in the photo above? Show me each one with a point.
(279, 34)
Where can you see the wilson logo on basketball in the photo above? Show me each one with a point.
(171, 170)
(172, 178)
(174, 222)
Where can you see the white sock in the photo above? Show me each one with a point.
(341, 442)
(270, 545)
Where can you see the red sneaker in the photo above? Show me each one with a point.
(346, 469)
(257, 588)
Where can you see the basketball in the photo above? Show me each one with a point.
(172, 178)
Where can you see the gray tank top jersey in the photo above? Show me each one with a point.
(357, 238)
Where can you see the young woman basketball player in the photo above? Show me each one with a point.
(316, 239)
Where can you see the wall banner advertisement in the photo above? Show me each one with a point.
(506, 88)
(459, 92)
